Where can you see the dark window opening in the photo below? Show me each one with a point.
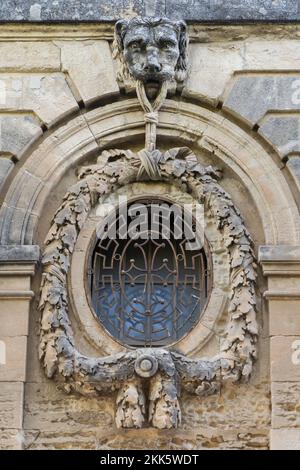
(148, 291)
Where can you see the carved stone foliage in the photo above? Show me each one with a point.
(153, 53)
(166, 370)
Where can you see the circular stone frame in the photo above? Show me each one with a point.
(194, 340)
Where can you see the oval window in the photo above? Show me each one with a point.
(148, 289)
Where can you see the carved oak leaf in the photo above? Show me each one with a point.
(236, 331)
(63, 320)
(245, 348)
(198, 369)
(69, 236)
(220, 209)
(102, 188)
(78, 188)
(66, 367)
(65, 345)
(174, 167)
(52, 234)
(214, 172)
(237, 279)
(52, 252)
(130, 406)
(250, 272)
(45, 286)
(243, 300)
(237, 257)
(54, 295)
(65, 215)
(82, 215)
(251, 322)
(115, 154)
(164, 409)
(235, 225)
(50, 358)
(80, 205)
(49, 319)
(64, 262)
(181, 153)
(102, 161)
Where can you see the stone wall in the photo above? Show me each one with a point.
(192, 10)
(60, 105)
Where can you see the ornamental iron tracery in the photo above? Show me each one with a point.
(149, 290)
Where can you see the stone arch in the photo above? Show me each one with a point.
(122, 122)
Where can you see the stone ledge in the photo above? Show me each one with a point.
(19, 253)
(283, 350)
(106, 10)
(279, 253)
(280, 260)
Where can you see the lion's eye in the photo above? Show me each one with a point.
(167, 44)
(135, 45)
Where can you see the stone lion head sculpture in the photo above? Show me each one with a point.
(151, 50)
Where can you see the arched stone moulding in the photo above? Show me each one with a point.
(123, 122)
(193, 342)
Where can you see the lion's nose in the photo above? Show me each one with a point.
(152, 65)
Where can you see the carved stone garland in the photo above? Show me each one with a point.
(165, 369)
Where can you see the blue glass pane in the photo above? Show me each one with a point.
(148, 292)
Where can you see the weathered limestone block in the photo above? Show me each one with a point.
(283, 132)
(238, 418)
(90, 68)
(210, 70)
(11, 439)
(198, 10)
(16, 350)
(11, 405)
(285, 439)
(16, 225)
(284, 318)
(48, 95)
(212, 67)
(269, 55)
(19, 253)
(284, 363)
(16, 131)
(29, 185)
(29, 56)
(216, 10)
(286, 405)
(6, 165)
(279, 255)
(14, 315)
(65, 413)
(252, 96)
(293, 165)
(17, 266)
